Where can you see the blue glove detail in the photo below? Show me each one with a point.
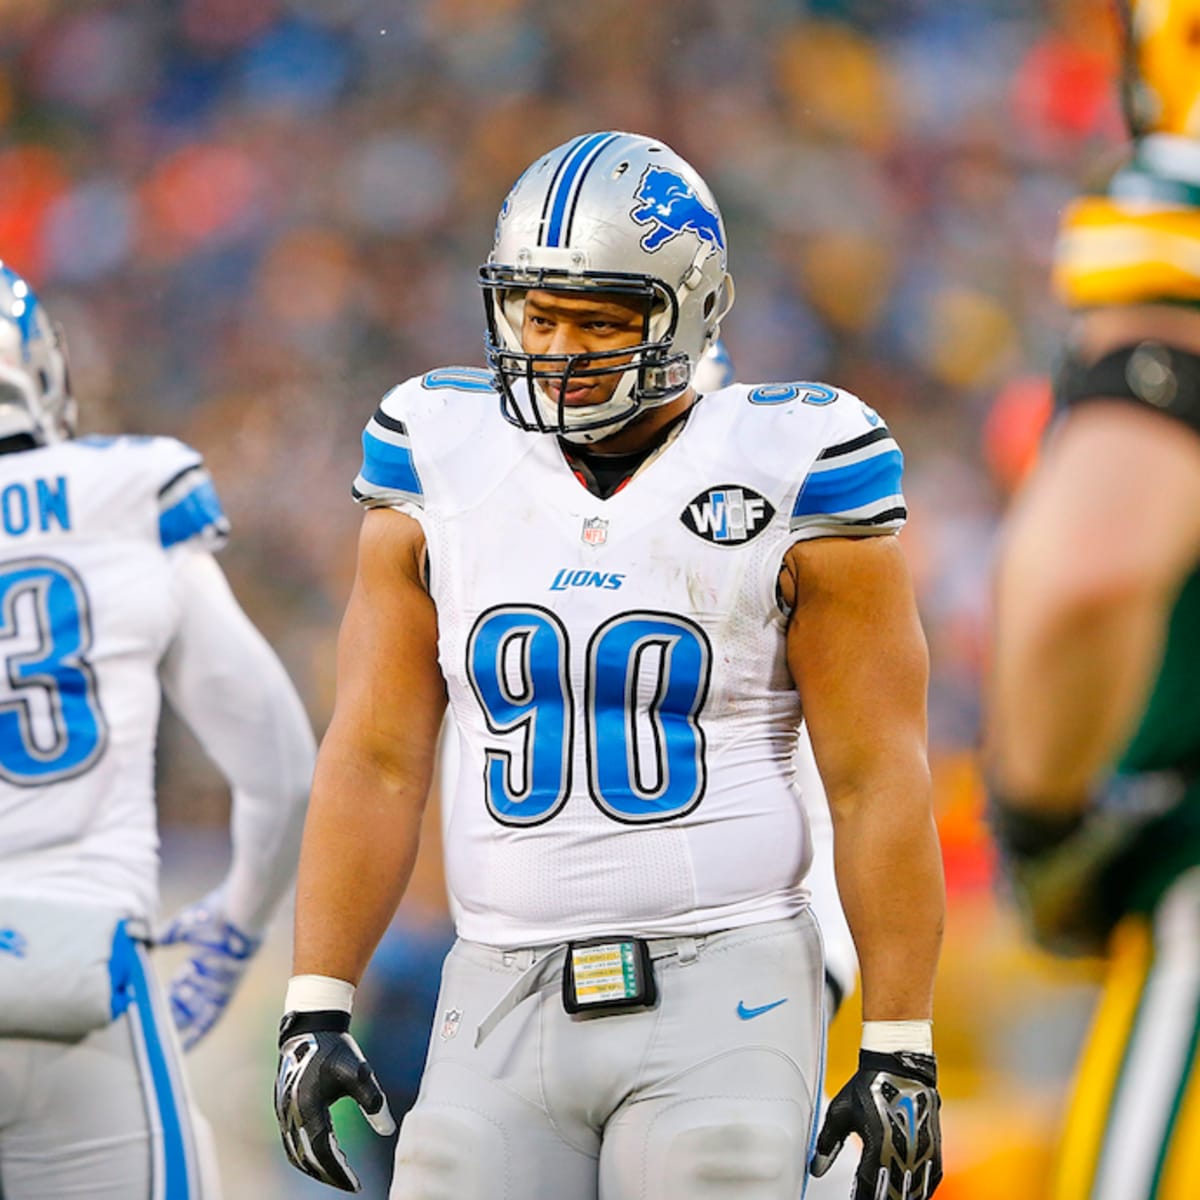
(202, 987)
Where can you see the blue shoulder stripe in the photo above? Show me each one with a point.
(388, 461)
(197, 511)
(844, 489)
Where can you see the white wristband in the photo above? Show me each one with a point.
(316, 993)
(891, 1037)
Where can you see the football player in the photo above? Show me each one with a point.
(109, 596)
(629, 596)
(1095, 697)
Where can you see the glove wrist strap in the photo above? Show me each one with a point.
(318, 993)
(332, 1020)
(908, 1063)
(892, 1037)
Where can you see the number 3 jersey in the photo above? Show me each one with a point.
(86, 613)
(616, 668)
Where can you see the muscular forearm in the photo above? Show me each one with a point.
(1094, 556)
(1069, 691)
(889, 874)
(360, 842)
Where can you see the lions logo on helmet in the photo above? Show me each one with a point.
(35, 388)
(669, 204)
(606, 212)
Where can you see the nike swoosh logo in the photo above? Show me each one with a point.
(748, 1014)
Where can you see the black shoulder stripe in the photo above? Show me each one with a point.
(390, 422)
(166, 487)
(866, 439)
(899, 513)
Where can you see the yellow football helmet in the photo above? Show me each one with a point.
(1162, 66)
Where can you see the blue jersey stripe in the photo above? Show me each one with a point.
(387, 465)
(558, 208)
(199, 510)
(175, 1184)
(851, 487)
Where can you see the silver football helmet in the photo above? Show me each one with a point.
(616, 213)
(35, 384)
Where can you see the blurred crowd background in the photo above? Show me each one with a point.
(254, 216)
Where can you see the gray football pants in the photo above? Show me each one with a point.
(709, 1095)
(107, 1117)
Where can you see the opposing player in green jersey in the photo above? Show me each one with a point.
(1095, 698)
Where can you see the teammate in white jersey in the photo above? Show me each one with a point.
(629, 597)
(109, 596)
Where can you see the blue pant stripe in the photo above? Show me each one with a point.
(175, 1183)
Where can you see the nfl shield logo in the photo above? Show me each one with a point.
(595, 531)
(450, 1023)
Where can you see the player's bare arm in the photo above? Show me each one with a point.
(376, 761)
(1119, 484)
(360, 839)
(858, 657)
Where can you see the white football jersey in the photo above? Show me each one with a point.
(86, 614)
(616, 668)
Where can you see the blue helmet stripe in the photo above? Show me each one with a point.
(574, 164)
(387, 465)
(22, 314)
(579, 182)
(562, 162)
(846, 488)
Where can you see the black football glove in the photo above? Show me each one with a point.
(319, 1063)
(1059, 865)
(892, 1103)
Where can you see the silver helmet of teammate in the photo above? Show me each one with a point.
(616, 213)
(35, 387)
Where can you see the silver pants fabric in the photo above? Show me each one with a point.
(710, 1095)
(106, 1117)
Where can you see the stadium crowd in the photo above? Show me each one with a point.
(254, 216)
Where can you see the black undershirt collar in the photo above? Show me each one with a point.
(605, 474)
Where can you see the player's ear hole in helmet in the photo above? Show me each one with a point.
(619, 214)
